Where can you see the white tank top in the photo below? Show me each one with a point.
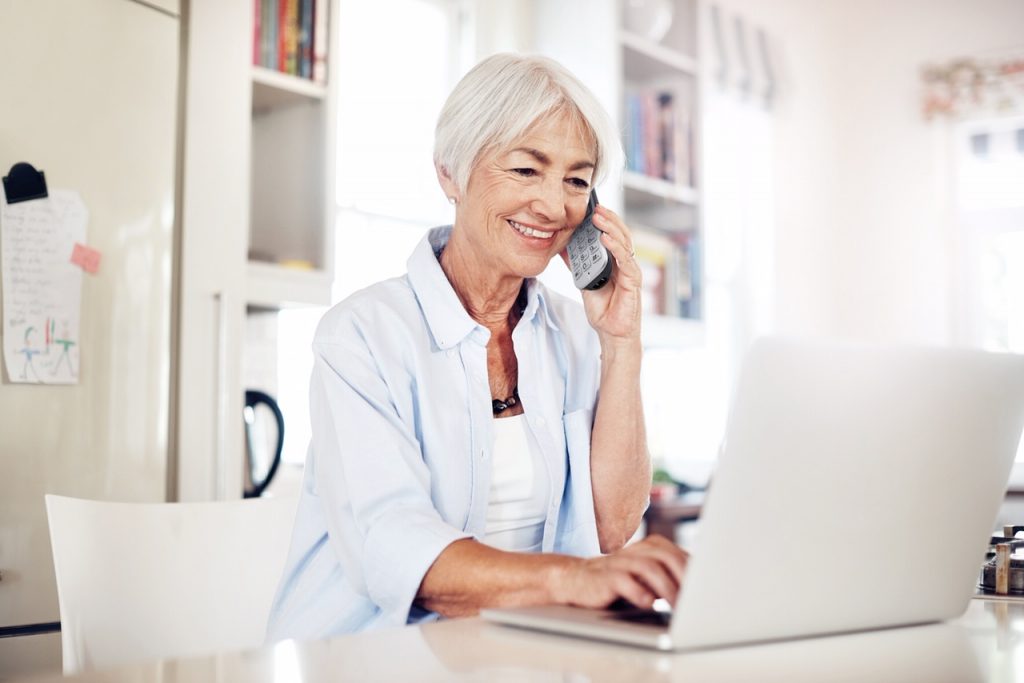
(519, 489)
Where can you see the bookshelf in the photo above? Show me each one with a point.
(272, 89)
(292, 176)
(255, 219)
(623, 65)
(659, 116)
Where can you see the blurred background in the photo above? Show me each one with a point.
(837, 168)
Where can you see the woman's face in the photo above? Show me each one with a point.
(523, 202)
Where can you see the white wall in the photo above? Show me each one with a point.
(865, 239)
(502, 26)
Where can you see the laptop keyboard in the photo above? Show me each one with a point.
(622, 610)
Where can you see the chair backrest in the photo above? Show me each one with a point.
(139, 581)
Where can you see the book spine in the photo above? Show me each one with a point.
(264, 32)
(682, 147)
(693, 253)
(320, 41)
(652, 154)
(257, 38)
(666, 137)
(691, 168)
(282, 36)
(631, 131)
(291, 63)
(306, 39)
(272, 29)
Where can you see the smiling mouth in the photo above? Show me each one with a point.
(531, 232)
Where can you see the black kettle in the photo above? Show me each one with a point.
(262, 449)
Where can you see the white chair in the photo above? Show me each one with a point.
(140, 581)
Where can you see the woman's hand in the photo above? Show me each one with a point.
(614, 310)
(640, 573)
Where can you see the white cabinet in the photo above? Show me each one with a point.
(292, 194)
(257, 209)
(206, 438)
(290, 239)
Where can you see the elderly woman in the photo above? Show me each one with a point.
(478, 440)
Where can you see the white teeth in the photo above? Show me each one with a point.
(530, 232)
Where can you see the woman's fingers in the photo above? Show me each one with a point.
(667, 553)
(640, 573)
(615, 232)
(654, 576)
(628, 587)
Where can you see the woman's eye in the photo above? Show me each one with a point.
(525, 172)
(579, 183)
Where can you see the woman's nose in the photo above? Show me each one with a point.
(549, 203)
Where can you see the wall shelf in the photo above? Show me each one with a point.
(656, 188)
(643, 58)
(269, 285)
(272, 89)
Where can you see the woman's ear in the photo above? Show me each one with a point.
(449, 186)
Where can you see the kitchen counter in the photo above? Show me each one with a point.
(985, 644)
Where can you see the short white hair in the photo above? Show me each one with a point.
(501, 98)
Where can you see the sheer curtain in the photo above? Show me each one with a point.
(990, 210)
(977, 108)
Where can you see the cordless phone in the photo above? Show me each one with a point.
(589, 261)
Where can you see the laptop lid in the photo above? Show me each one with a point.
(856, 489)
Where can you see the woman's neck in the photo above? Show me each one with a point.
(488, 297)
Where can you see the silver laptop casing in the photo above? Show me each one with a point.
(856, 489)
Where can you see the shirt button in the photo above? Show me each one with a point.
(482, 454)
(540, 421)
(451, 353)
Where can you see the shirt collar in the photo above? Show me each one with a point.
(537, 305)
(446, 317)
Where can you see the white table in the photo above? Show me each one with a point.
(985, 644)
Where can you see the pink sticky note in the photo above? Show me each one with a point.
(86, 257)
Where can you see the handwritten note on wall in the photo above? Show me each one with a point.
(42, 289)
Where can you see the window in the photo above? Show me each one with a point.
(990, 199)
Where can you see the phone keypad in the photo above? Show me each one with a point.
(586, 254)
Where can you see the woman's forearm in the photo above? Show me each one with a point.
(469, 575)
(620, 468)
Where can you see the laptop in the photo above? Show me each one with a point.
(856, 489)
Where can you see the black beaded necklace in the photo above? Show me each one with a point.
(501, 405)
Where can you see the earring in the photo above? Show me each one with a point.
(451, 200)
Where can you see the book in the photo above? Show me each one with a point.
(320, 25)
(649, 125)
(282, 36)
(631, 129)
(681, 142)
(271, 22)
(291, 37)
(266, 7)
(306, 38)
(666, 137)
(257, 37)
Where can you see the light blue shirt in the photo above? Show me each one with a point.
(400, 461)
